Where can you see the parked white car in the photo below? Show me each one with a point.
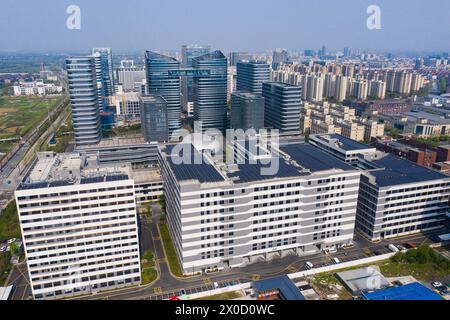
(336, 260)
(393, 248)
(11, 240)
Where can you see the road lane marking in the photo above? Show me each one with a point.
(256, 277)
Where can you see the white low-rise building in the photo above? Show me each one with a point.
(36, 88)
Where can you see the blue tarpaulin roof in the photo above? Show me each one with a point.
(411, 291)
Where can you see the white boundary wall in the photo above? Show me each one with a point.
(243, 286)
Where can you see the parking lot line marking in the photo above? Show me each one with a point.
(256, 277)
(292, 269)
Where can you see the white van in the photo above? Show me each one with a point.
(336, 260)
(393, 248)
(331, 250)
(309, 265)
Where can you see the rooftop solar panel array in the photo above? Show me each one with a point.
(59, 183)
(203, 172)
(255, 172)
(29, 186)
(314, 159)
(349, 144)
(400, 171)
(92, 180)
(117, 177)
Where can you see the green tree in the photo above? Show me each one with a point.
(162, 202)
(443, 85)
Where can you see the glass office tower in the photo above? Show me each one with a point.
(154, 118)
(159, 82)
(105, 74)
(82, 83)
(282, 106)
(187, 83)
(210, 92)
(247, 111)
(251, 75)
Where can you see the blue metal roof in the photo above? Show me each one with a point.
(349, 144)
(314, 159)
(286, 288)
(400, 171)
(411, 291)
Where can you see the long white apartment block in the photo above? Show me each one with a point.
(228, 216)
(79, 226)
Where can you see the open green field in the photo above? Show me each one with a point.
(19, 114)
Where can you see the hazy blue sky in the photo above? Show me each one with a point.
(419, 25)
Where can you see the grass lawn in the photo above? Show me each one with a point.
(148, 275)
(420, 271)
(5, 266)
(223, 296)
(169, 248)
(148, 255)
(9, 222)
(19, 114)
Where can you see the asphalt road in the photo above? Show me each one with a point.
(167, 285)
(19, 277)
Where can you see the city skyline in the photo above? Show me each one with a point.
(258, 27)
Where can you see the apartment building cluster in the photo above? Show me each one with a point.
(222, 216)
(347, 81)
(325, 117)
(36, 88)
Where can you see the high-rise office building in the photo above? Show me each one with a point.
(251, 76)
(82, 83)
(210, 92)
(236, 57)
(279, 57)
(189, 52)
(159, 82)
(347, 51)
(105, 74)
(282, 106)
(247, 111)
(79, 226)
(154, 118)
